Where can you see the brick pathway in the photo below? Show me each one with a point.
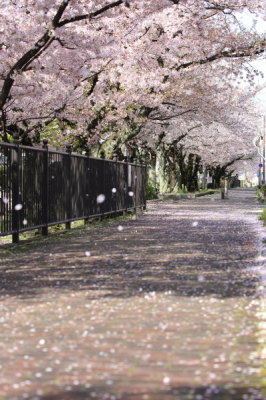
(167, 306)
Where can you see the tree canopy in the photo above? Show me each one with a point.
(143, 73)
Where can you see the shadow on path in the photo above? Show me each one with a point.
(212, 392)
(196, 248)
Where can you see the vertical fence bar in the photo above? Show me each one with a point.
(126, 182)
(145, 179)
(102, 205)
(68, 183)
(15, 189)
(114, 189)
(45, 189)
(135, 182)
(87, 191)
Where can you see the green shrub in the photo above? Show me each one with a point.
(262, 216)
(261, 193)
(151, 192)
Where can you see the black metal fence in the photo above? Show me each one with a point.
(40, 188)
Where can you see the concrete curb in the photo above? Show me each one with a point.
(180, 196)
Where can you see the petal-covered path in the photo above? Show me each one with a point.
(170, 305)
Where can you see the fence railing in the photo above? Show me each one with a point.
(40, 188)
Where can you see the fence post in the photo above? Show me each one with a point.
(45, 188)
(15, 189)
(69, 198)
(126, 183)
(145, 184)
(102, 205)
(114, 189)
(141, 195)
(135, 179)
(224, 189)
(87, 185)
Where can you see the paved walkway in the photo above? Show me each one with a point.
(167, 306)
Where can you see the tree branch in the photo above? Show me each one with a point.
(175, 1)
(161, 118)
(90, 15)
(21, 64)
(255, 49)
(211, 5)
(229, 163)
(43, 43)
(60, 13)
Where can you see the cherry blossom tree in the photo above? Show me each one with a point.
(143, 74)
(51, 51)
(180, 141)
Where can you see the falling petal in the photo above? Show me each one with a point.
(201, 278)
(100, 199)
(166, 380)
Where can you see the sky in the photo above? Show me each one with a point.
(259, 25)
